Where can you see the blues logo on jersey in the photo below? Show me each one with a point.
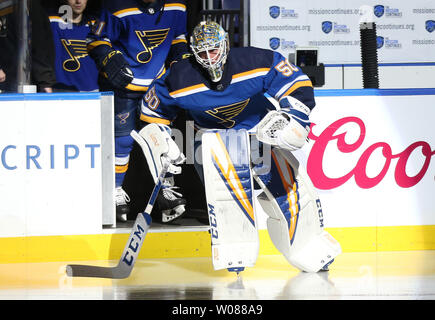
(76, 49)
(225, 114)
(150, 39)
(73, 66)
(148, 34)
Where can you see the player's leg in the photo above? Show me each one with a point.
(123, 147)
(295, 222)
(155, 141)
(170, 201)
(125, 121)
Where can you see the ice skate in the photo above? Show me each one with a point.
(121, 199)
(171, 203)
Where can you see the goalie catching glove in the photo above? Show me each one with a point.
(287, 128)
(116, 69)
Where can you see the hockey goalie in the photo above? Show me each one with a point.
(224, 93)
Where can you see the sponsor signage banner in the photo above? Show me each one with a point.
(405, 29)
(372, 159)
(51, 153)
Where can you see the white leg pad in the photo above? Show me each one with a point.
(317, 252)
(229, 193)
(302, 240)
(156, 142)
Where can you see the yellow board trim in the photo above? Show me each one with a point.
(197, 244)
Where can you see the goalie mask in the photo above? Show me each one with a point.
(210, 46)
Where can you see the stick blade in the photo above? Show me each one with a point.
(78, 270)
(128, 258)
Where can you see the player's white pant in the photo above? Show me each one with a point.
(295, 222)
(229, 192)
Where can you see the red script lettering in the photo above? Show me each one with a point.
(321, 181)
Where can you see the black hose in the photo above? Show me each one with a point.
(369, 55)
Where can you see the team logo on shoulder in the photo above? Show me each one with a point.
(226, 113)
(76, 50)
(150, 40)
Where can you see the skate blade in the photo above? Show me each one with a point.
(178, 211)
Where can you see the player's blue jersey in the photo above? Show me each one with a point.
(145, 34)
(75, 70)
(237, 101)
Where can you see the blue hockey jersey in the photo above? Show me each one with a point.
(238, 101)
(75, 70)
(146, 35)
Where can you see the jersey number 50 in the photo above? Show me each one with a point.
(286, 68)
(151, 98)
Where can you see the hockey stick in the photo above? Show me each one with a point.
(131, 250)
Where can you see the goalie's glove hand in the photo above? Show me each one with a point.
(295, 134)
(117, 70)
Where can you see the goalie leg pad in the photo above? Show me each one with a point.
(156, 142)
(295, 222)
(229, 193)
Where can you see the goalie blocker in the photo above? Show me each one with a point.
(295, 220)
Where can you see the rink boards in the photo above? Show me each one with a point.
(371, 157)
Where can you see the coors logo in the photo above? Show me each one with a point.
(359, 172)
